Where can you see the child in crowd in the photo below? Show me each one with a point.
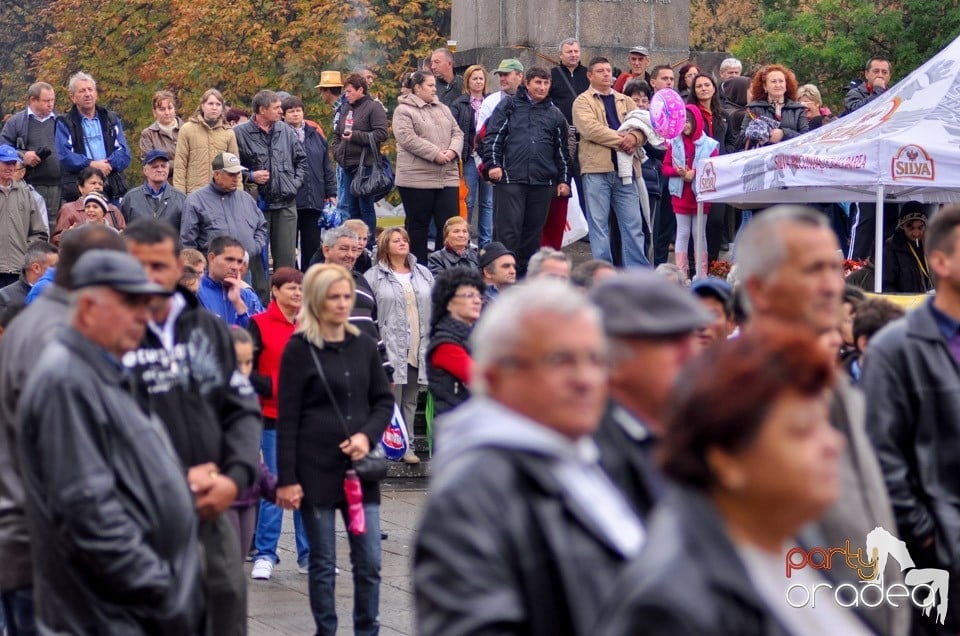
(682, 152)
(243, 511)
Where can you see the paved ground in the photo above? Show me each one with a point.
(280, 605)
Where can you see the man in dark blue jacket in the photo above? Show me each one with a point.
(525, 154)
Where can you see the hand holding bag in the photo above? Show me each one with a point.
(379, 182)
(373, 467)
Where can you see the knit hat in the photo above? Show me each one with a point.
(99, 199)
(912, 211)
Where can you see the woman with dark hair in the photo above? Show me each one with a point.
(361, 120)
(745, 410)
(466, 111)
(429, 145)
(72, 214)
(457, 301)
(734, 97)
(706, 97)
(456, 248)
(205, 135)
(685, 79)
(335, 403)
(774, 114)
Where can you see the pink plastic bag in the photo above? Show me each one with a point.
(354, 493)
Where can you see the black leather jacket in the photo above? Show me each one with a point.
(278, 151)
(107, 502)
(793, 119)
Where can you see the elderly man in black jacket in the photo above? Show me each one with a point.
(523, 531)
(187, 374)
(525, 154)
(913, 397)
(108, 508)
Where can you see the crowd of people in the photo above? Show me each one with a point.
(182, 360)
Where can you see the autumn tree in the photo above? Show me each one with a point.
(21, 35)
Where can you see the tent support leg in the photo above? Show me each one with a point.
(878, 245)
(697, 242)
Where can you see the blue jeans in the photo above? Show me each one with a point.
(364, 558)
(270, 521)
(603, 191)
(357, 208)
(18, 612)
(475, 185)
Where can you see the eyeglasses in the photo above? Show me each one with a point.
(468, 295)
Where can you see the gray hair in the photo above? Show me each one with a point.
(38, 87)
(731, 62)
(672, 273)
(330, 237)
(761, 248)
(263, 99)
(38, 252)
(502, 325)
(80, 77)
(567, 42)
(545, 254)
(447, 53)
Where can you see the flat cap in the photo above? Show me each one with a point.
(116, 270)
(491, 252)
(713, 286)
(642, 50)
(640, 304)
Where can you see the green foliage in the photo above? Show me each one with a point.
(21, 34)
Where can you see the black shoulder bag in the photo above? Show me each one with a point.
(373, 467)
(379, 182)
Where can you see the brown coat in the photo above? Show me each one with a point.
(422, 130)
(72, 215)
(597, 139)
(153, 138)
(197, 145)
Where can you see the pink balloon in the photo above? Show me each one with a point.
(668, 113)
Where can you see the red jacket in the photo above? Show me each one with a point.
(274, 332)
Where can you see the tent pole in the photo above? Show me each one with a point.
(697, 242)
(878, 245)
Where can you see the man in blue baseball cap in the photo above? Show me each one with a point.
(21, 222)
(156, 198)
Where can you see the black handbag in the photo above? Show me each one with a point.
(379, 182)
(373, 467)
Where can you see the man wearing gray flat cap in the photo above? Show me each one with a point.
(103, 490)
(650, 324)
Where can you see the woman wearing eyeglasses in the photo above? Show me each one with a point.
(457, 301)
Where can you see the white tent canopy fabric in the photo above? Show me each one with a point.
(903, 146)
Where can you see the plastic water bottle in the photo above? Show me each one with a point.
(348, 123)
(354, 493)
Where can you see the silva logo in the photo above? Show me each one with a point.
(708, 178)
(912, 162)
(925, 588)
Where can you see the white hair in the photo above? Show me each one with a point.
(761, 248)
(80, 77)
(503, 324)
(568, 42)
(731, 62)
(672, 273)
(545, 254)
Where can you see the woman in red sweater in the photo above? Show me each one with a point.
(271, 331)
(457, 300)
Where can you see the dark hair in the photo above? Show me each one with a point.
(682, 73)
(536, 71)
(357, 82)
(88, 172)
(853, 295)
(292, 102)
(759, 91)
(940, 231)
(872, 315)
(445, 285)
(866, 67)
(734, 90)
(147, 231)
(724, 396)
(595, 61)
(262, 100)
(37, 252)
(234, 114)
(80, 240)
(715, 107)
(221, 243)
(283, 275)
(655, 71)
(416, 78)
(637, 85)
(582, 274)
(164, 96)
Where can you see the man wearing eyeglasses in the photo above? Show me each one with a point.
(523, 531)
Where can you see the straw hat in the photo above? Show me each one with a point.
(330, 79)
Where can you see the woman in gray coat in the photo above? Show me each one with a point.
(402, 288)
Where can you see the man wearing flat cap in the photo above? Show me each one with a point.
(650, 324)
(103, 490)
(498, 266)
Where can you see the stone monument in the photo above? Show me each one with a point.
(486, 31)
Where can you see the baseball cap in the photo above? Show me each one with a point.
(228, 162)
(8, 154)
(713, 286)
(116, 270)
(491, 252)
(153, 155)
(640, 304)
(509, 64)
(642, 50)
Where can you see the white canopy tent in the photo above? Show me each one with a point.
(903, 146)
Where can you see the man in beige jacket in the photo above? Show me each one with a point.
(597, 114)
